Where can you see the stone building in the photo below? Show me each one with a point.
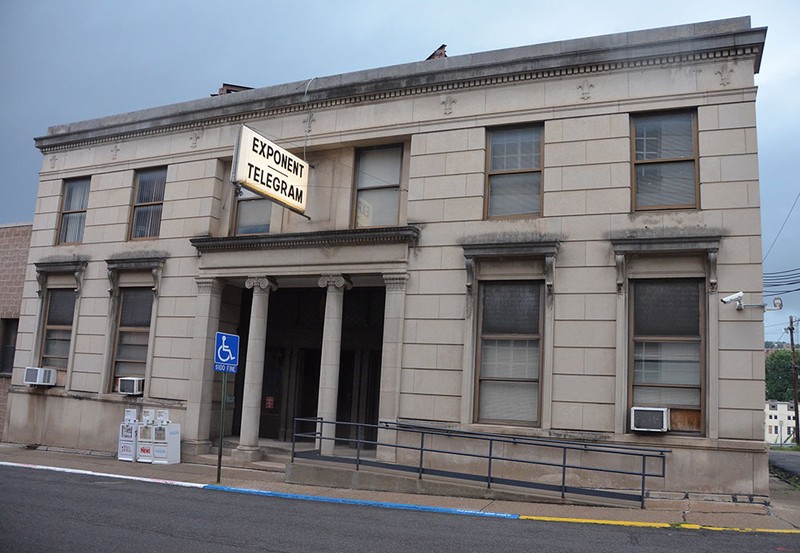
(529, 241)
(14, 242)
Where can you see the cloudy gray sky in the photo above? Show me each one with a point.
(69, 60)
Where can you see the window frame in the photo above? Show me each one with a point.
(701, 340)
(481, 336)
(635, 163)
(135, 205)
(401, 147)
(9, 328)
(538, 128)
(238, 200)
(119, 329)
(64, 213)
(47, 326)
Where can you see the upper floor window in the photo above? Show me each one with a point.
(668, 349)
(148, 202)
(509, 352)
(515, 172)
(378, 172)
(665, 161)
(73, 210)
(253, 213)
(58, 327)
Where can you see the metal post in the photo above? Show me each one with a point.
(222, 403)
(564, 473)
(794, 382)
(489, 473)
(421, 449)
(644, 477)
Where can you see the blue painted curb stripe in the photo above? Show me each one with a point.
(363, 502)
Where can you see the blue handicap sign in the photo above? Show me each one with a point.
(226, 352)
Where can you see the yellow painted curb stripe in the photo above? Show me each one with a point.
(638, 524)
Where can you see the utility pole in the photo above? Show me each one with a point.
(794, 382)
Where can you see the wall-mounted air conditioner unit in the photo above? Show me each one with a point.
(649, 419)
(38, 376)
(131, 386)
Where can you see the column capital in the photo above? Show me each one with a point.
(208, 285)
(339, 281)
(395, 282)
(261, 282)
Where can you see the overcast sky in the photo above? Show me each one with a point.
(63, 61)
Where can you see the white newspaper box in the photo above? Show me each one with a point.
(127, 445)
(166, 443)
(144, 449)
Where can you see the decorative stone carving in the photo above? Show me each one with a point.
(76, 267)
(114, 151)
(585, 87)
(395, 282)
(724, 74)
(339, 281)
(208, 285)
(261, 282)
(619, 260)
(448, 102)
(308, 122)
(194, 137)
(53, 160)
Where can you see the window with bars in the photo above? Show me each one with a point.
(148, 203)
(514, 181)
(133, 332)
(58, 327)
(665, 161)
(668, 349)
(378, 173)
(73, 210)
(509, 352)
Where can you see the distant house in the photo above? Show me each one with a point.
(529, 242)
(779, 422)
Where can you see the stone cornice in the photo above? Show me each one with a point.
(672, 45)
(331, 238)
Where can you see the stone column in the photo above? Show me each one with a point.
(248, 449)
(331, 351)
(196, 428)
(391, 360)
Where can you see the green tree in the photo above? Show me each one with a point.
(778, 377)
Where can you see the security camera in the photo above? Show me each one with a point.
(733, 297)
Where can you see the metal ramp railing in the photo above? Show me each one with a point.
(639, 463)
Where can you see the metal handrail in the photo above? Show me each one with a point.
(648, 455)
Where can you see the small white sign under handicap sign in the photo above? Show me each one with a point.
(226, 353)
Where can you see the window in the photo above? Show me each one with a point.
(252, 213)
(665, 161)
(515, 172)
(509, 352)
(148, 201)
(8, 327)
(58, 327)
(667, 350)
(73, 210)
(378, 173)
(133, 332)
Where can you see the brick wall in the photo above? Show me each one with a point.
(14, 244)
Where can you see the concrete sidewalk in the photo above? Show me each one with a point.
(782, 513)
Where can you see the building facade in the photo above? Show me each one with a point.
(14, 242)
(528, 241)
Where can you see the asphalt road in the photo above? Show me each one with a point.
(49, 511)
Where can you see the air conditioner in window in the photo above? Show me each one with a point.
(649, 419)
(38, 376)
(131, 386)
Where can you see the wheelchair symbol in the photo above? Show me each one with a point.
(224, 353)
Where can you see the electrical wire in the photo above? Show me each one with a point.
(781, 229)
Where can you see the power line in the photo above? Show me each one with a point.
(781, 229)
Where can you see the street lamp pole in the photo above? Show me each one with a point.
(794, 382)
